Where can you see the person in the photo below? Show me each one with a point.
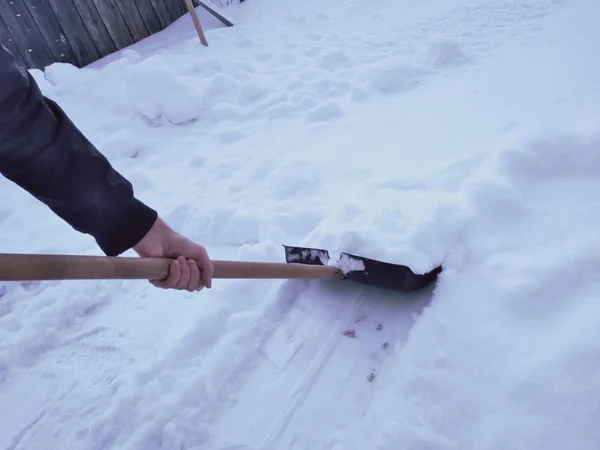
(43, 152)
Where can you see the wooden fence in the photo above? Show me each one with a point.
(41, 32)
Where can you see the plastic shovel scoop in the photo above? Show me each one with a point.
(302, 263)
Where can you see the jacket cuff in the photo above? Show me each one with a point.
(125, 228)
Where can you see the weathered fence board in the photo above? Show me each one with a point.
(40, 32)
(75, 32)
(30, 31)
(12, 35)
(150, 17)
(34, 16)
(162, 11)
(95, 26)
(176, 9)
(133, 20)
(114, 22)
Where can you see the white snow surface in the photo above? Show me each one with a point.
(456, 132)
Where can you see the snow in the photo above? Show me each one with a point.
(454, 132)
(348, 263)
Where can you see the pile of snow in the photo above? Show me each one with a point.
(158, 92)
(461, 133)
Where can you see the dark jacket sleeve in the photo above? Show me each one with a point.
(42, 151)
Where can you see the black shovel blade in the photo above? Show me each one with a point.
(366, 271)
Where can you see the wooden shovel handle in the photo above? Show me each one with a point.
(21, 267)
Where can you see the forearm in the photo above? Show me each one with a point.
(42, 151)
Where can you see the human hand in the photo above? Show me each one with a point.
(192, 270)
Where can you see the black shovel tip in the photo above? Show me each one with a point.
(365, 271)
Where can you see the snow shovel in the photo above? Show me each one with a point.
(302, 263)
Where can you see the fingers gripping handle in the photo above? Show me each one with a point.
(29, 267)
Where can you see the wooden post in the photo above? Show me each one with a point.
(196, 21)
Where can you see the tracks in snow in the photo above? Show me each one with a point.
(318, 371)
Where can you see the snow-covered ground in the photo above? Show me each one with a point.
(462, 132)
